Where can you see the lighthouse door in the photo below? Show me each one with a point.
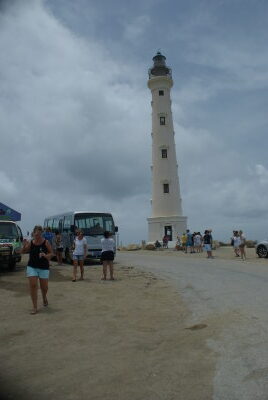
(168, 232)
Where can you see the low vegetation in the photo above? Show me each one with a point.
(130, 247)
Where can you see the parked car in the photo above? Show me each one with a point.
(10, 244)
(262, 249)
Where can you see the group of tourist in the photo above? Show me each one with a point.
(40, 249)
(195, 242)
(238, 241)
(190, 242)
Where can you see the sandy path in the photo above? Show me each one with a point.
(119, 340)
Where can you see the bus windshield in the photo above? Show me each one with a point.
(94, 224)
(8, 231)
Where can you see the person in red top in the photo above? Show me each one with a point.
(165, 242)
(40, 252)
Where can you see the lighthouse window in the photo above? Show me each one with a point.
(162, 121)
(164, 153)
(166, 187)
(161, 92)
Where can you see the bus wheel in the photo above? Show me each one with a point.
(68, 257)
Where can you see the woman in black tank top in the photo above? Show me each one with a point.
(35, 261)
(40, 252)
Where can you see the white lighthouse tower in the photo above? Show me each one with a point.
(166, 216)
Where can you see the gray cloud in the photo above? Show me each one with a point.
(75, 113)
(70, 130)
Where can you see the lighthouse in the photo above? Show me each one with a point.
(166, 218)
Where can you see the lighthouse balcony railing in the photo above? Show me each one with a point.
(158, 71)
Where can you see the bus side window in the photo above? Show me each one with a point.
(49, 223)
(60, 225)
(67, 224)
(55, 225)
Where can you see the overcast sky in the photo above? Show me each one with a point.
(75, 113)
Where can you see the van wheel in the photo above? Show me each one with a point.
(68, 257)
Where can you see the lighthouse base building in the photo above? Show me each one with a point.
(166, 218)
(166, 226)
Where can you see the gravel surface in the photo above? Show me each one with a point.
(230, 297)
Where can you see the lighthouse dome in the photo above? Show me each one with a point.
(159, 68)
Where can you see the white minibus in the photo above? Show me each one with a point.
(93, 224)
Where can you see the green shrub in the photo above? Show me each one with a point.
(250, 243)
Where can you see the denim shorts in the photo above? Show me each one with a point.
(38, 272)
(78, 258)
(207, 247)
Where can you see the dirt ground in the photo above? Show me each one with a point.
(126, 339)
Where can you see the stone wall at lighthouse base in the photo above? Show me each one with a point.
(158, 227)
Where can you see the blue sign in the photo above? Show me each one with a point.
(8, 214)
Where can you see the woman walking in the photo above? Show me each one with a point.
(242, 245)
(58, 247)
(107, 255)
(38, 265)
(79, 254)
(236, 243)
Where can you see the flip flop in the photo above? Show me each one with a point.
(45, 304)
(33, 312)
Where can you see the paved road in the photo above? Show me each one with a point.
(232, 296)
